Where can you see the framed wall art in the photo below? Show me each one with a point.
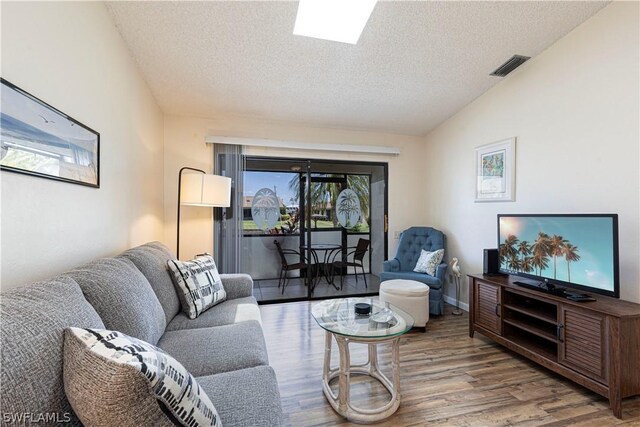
(495, 171)
(39, 140)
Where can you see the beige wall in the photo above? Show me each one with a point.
(184, 146)
(71, 56)
(574, 110)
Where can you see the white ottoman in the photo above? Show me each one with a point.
(408, 295)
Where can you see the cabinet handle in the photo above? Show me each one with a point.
(559, 332)
(498, 309)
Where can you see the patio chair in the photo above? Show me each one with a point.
(285, 266)
(358, 253)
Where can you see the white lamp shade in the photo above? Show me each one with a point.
(200, 189)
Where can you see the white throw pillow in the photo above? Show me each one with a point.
(112, 379)
(429, 261)
(198, 284)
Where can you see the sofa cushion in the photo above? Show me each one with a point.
(248, 397)
(429, 261)
(198, 284)
(123, 297)
(229, 312)
(207, 351)
(151, 259)
(34, 318)
(113, 379)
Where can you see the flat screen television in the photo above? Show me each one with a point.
(574, 251)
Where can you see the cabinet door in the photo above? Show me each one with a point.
(487, 306)
(583, 342)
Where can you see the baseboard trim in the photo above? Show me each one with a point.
(452, 301)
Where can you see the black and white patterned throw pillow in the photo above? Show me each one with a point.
(198, 284)
(113, 379)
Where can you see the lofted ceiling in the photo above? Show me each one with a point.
(415, 65)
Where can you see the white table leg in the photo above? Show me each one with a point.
(395, 368)
(344, 380)
(373, 359)
(342, 402)
(326, 368)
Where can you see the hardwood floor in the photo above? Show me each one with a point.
(447, 378)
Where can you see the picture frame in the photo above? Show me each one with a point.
(495, 171)
(39, 140)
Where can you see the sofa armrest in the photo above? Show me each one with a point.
(441, 269)
(237, 285)
(391, 265)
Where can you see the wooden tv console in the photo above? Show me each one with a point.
(595, 344)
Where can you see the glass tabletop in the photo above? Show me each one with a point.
(339, 317)
(322, 246)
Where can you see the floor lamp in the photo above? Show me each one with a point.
(201, 189)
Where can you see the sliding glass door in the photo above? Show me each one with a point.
(273, 221)
(312, 228)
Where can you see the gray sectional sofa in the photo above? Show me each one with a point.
(133, 293)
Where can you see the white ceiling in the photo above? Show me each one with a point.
(415, 65)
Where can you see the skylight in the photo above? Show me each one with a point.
(335, 20)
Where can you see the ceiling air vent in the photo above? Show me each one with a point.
(512, 63)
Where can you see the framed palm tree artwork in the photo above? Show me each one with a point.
(495, 171)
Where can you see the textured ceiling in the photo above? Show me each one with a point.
(416, 63)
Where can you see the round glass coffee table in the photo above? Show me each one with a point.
(384, 324)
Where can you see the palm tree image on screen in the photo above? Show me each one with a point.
(522, 256)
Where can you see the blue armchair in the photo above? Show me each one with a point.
(412, 241)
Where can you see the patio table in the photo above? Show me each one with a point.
(321, 268)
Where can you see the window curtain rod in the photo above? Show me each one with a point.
(255, 142)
